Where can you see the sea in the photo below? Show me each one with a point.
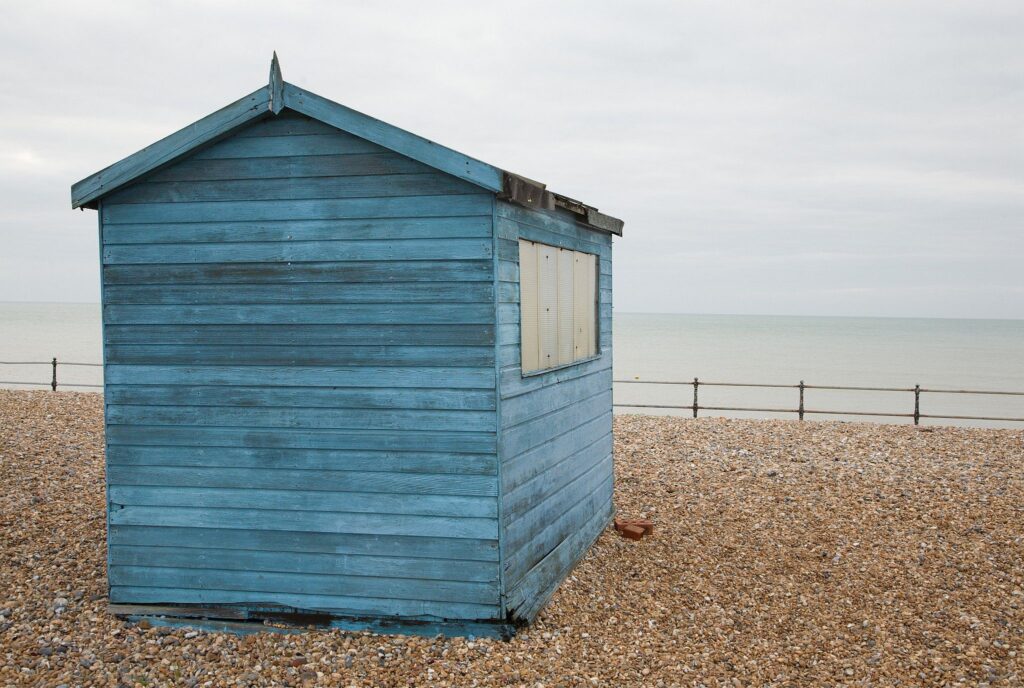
(937, 354)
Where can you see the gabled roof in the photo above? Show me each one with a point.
(279, 94)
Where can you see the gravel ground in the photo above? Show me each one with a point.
(784, 554)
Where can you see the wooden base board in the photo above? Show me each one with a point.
(256, 620)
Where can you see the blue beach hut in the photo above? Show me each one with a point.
(352, 377)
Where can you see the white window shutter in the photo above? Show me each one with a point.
(547, 313)
(558, 305)
(590, 298)
(528, 304)
(579, 306)
(566, 348)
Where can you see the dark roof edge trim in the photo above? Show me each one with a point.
(531, 194)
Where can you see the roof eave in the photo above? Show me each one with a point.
(170, 148)
(278, 95)
(532, 194)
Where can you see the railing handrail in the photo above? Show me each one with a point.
(97, 365)
(53, 380)
(917, 390)
(689, 383)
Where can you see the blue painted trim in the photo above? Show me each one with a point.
(106, 397)
(178, 144)
(502, 598)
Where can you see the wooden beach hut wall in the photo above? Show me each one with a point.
(351, 376)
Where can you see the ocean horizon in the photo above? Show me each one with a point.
(877, 351)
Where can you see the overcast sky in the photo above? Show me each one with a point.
(861, 158)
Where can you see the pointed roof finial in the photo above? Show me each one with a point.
(276, 86)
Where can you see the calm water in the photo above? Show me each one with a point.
(874, 352)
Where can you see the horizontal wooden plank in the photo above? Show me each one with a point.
(292, 188)
(354, 606)
(299, 314)
(308, 293)
(292, 376)
(199, 169)
(543, 541)
(376, 440)
(305, 500)
(304, 562)
(293, 541)
(299, 251)
(393, 138)
(517, 221)
(466, 227)
(287, 123)
(313, 521)
(306, 480)
(162, 354)
(529, 406)
(307, 209)
(530, 592)
(304, 583)
(209, 128)
(531, 493)
(305, 418)
(305, 459)
(281, 273)
(516, 470)
(309, 397)
(513, 383)
(533, 433)
(301, 335)
(548, 506)
(334, 143)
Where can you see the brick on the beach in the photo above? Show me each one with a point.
(642, 523)
(632, 532)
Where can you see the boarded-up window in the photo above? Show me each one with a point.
(558, 305)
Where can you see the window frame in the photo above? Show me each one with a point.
(596, 325)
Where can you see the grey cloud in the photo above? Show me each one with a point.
(784, 157)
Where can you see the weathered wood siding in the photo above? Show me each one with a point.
(299, 332)
(555, 442)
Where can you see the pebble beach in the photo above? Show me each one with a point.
(784, 553)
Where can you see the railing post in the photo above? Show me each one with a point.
(53, 382)
(917, 404)
(801, 400)
(695, 383)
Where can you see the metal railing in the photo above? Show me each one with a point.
(801, 410)
(695, 407)
(53, 379)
